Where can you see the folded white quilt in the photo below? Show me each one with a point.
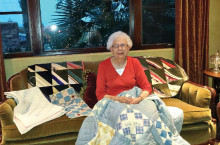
(32, 109)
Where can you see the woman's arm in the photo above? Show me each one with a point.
(141, 97)
(142, 83)
(119, 99)
(101, 82)
(144, 95)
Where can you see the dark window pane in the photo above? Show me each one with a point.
(69, 24)
(13, 5)
(15, 34)
(158, 21)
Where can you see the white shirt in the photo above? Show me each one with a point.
(120, 71)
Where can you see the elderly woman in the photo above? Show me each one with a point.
(121, 72)
(123, 115)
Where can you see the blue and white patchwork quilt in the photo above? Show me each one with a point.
(114, 123)
(74, 106)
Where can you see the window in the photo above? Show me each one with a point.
(81, 26)
(158, 21)
(71, 24)
(14, 26)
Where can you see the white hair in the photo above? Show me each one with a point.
(115, 35)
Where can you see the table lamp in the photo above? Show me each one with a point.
(215, 59)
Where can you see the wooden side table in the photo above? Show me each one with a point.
(216, 86)
(215, 80)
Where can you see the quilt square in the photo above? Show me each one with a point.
(31, 68)
(168, 142)
(168, 64)
(58, 88)
(123, 117)
(78, 110)
(133, 137)
(130, 110)
(126, 131)
(158, 76)
(58, 66)
(59, 77)
(42, 67)
(173, 74)
(75, 76)
(143, 63)
(175, 86)
(154, 63)
(139, 130)
(163, 134)
(138, 115)
(147, 73)
(162, 90)
(146, 122)
(47, 91)
(43, 79)
(119, 126)
(77, 87)
(75, 65)
(158, 124)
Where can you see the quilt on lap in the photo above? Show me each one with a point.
(111, 122)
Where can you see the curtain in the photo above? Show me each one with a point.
(192, 37)
(2, 72)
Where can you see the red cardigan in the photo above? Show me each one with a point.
(111, 83)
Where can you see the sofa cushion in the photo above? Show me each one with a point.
(55, 77)
(192, 114)
(165, 75)
(61, 125)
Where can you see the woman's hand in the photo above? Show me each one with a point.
(126, 100)
(136, 100)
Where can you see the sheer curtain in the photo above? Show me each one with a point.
(192, 37)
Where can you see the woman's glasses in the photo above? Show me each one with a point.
(122, 45)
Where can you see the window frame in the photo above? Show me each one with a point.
(34, 16)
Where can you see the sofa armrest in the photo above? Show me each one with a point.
(7, 113)
(18, 81)
(199, 95)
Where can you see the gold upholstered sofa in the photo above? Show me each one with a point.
(196, 101)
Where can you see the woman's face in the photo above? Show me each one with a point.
(120, 48)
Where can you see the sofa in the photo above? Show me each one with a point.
(197, 102)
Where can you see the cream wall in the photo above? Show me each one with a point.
(14, 65)
(214, 30)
